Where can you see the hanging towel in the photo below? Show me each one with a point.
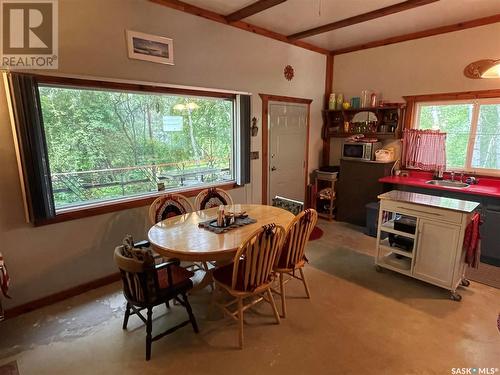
(4, 278)
(472, 241)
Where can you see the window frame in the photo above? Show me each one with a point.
(476, 98)
(140, 200)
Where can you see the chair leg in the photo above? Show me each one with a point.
(282, 291)
(167, 305)
(149, 329)
(213, 302)
(305, 282)
(190, 313)
(273, 305)
(240, 316)
(127, 315)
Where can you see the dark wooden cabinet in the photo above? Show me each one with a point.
(357, 186)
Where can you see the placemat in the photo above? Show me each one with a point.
(238, 222)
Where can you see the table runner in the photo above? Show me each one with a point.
(238, 222)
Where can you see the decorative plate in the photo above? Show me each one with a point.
(288, 72)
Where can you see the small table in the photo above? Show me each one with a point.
(180, 237)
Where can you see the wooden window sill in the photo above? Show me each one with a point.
(123, 204)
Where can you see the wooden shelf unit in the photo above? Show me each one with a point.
(325, 180)
(390, 115)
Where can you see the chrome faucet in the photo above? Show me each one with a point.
(452, 173)
(471, 180)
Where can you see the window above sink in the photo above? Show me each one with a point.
(473, 131)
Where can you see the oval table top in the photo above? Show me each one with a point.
(180, 237)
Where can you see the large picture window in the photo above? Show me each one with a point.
(86, 144)
(107, 144)
(473, 132)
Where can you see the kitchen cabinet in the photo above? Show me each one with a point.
(490, 235)
(490, 216)
(431, 249)
(435, 257)
(358, 185)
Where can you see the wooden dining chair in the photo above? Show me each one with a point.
(169, 205)
(212, 197)
(250, 274)
(146, 284)
(292, 256)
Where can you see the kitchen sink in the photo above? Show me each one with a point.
(448, 183)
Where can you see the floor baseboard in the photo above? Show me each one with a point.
(60, 296)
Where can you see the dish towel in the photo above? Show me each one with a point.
(4, 284)
(4, 277)
(472, 241)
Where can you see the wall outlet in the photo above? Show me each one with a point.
(254, 155)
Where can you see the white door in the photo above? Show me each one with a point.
(287, 150)
(436, 251)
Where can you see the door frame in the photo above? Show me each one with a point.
(266, 98)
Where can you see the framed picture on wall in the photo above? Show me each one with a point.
(148, 47)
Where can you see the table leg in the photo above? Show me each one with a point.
(205, 275)
(207, 279)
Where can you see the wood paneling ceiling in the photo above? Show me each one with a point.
(340, 26)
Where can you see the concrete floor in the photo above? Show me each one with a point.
(357, 322)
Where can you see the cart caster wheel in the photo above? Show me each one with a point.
(378, 268)
(456, 297)
(465, 282)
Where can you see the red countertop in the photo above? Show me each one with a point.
(487, 186)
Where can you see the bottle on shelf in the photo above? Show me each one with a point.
(365, 98)
(220, 216)
(332, 101)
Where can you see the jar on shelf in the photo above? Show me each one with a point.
(346, 126)
(332, 101)
(339, 101)
(365, 98)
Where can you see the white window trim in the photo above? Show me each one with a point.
(476, 103)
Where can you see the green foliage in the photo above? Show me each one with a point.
(456, 120)
(104, 144)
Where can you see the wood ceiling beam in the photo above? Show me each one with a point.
(252, 9)
(382, 12)
(421, 34)
(208, 14)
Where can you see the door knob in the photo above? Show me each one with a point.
(273, 168)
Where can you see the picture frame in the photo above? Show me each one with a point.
(147, 47)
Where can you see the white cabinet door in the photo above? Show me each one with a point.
(436, 252)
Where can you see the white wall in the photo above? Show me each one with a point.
(422, 66)
(52, 258)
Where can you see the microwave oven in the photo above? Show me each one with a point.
(360, 150)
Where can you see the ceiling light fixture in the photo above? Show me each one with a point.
(483, 69)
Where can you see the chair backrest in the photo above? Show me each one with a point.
(212, 197)
(253, 263)
(138, 276)
(288, 204)
(296, 238)
(169, 205)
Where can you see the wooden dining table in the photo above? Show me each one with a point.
(180, 236)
